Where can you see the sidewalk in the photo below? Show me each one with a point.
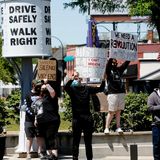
(15, 157)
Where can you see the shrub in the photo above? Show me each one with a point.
(13, 102)
(4, 114)
(68, 111)
(134, 117)
(9, 109)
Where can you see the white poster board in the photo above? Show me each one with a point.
(91, 62)
(26, 28)
(123, 46)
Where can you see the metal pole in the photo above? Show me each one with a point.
(133, 152)
(62, 47)
(26, 78)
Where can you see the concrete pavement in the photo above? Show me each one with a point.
(15, 157)
(105, 147)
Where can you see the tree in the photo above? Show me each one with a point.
(7, 73)
(149, 8)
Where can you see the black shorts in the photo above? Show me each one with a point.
(50, 132)
(30, 129)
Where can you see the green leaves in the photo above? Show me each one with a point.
(134, 117)
(99, 5)
(7, 73)
(9, 109)
(3, 113)
(149, 8)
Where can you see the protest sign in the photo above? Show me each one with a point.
(123, 46)
(47, 70)
(91, 62)
(99, 101)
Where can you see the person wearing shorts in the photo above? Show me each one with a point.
(116, 92)
(29, 127)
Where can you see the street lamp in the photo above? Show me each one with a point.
(103, 27)
(62, 49)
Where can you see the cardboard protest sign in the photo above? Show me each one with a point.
(123, 46)
(91, 62)
(47, 70)
(100, 102)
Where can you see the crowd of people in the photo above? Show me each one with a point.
(43, 120)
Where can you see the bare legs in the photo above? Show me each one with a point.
(29, 144)
(110, 117)
(41, 144)
(118, 118)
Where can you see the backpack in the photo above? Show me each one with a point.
(38, 110)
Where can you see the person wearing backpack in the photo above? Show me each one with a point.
(47, 119)
(30, 129)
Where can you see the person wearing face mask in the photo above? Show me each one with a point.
(116, 92)
(82, 120)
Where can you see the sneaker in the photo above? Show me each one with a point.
(106, 131)
(119, 130)
(43, 155)
(28, 156)
(52, 157)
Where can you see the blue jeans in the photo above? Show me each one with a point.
(156, 142)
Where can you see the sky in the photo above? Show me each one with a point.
(68, 25)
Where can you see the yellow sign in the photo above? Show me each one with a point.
(47, 70)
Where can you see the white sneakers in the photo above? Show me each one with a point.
(106, 131)
(118, 130)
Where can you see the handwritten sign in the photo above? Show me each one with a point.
(123, 46)
(46, 70)
(91, 62)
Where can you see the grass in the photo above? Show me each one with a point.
(12, 127)
(63, 126)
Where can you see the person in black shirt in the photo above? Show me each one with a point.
(116, 92)
(82, 120)
(47, 119)
(30, 128)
